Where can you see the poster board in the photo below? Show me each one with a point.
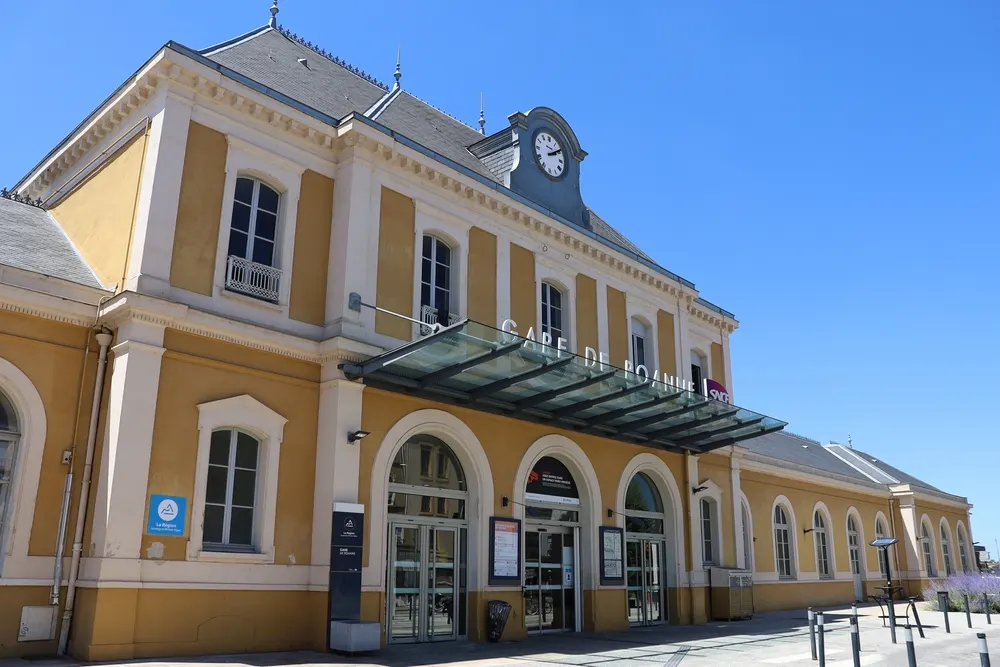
(612, 556)
(505, 551)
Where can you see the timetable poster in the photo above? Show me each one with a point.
(505, 551)
(612, 565)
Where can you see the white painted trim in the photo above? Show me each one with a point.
(248, 414)
(503, 280)
(638, 309)
(933, 538)
(658, 471)
(793, 536)
(863, 547)
(754, 462)
(591, 515)
(714, 494)
(455, 234)
(28, 453)
(602, 314)
(751, 559)
(547, 270)
(961, 530)
(952, 551)
(469, 451)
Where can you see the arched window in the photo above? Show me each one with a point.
(883, 554)
(251, 265)
(552, 312)
(435, 281)
(710, 546)
(853, 545)
(782, 544)
(928, 548)
(231, 491)
(642, 348)
(426, 479)
(963, 557)
(747, 536)
(946, 551)
(642, 496)
(699, 370)
(9, 433)
(822, 548)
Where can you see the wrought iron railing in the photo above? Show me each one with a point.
(429, 317)
(257, 280)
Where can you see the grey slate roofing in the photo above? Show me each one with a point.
(903, 477)
(31, 239)
(270, 57)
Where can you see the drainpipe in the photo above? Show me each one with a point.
(104, 340)
(895, 547)
(689, 550)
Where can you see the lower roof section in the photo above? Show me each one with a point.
(483, 368)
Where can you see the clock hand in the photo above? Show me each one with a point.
(556, 152)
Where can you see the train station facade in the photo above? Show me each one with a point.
(256, 284)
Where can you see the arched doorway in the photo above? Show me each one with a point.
(9, 435)
(428, 543)
(551, 548)
(645, 552)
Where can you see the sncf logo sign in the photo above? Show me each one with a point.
(716, 391)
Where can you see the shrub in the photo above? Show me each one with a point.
(973, 585)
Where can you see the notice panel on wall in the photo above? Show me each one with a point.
(551, 482)
(505, 551)
(612, 556)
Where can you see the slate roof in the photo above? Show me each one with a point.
(31, 239)
(271, 57)
(903, 477)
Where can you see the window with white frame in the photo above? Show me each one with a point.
(822, 546)
(782, 544)
(928, 549)
(946, 551)
(883, 554)
(747, 537)
(251, 267)
(236, 481)
(231, 491)
(642, 351)
(435, 281)
(963, 558)
(698, 370)
(709, 521)
(552, 312)
(9, 435)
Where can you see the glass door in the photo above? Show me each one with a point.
(550, 580)
(423, 568)
(644, 578)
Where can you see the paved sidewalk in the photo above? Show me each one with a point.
(780, 638)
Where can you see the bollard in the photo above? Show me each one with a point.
(943, 606)
(984, 654)
(812, 632)
(822, 641)
(968, 612)
(986, 603)
(911, 656)
(855, 642)
(854, 614)
(892, 620)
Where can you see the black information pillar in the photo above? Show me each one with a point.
(346, 543)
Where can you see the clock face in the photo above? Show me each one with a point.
(549, 154)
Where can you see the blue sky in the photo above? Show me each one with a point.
(830, 172)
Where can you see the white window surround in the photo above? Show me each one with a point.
(650, 338)
(246, 413)
(824, 511)
(713, 493)
(27, 467)
(284, 176)
(927, 537)
(860, 526)
(428, 220)
(963, 545)
(793, 542)
(945, 529)
(881, 522)
(748, 549)
(565, 282)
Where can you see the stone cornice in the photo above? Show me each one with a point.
(48, 298)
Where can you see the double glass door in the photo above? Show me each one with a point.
(645, 578)
(424, 587)
(550, 591)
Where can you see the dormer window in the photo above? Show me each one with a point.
(253, 231)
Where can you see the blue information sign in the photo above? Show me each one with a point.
(166, 515)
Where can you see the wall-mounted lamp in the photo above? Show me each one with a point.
(611, 513)
(806, 531)
(504, 501)
(354, 436)
(698, 489)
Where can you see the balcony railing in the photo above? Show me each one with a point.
(429, 317)
(257, 280)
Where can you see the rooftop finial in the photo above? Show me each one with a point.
(274, 15)
(398, 74)
(850, 443)
(482, 115)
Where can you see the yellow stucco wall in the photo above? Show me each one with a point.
(666, 352)
(718, 364)
(307, 299)
(586, 313)
(199, 210)
(481, 272)
(618, 351)
(198, 370)
(523, 290)
(394, 290)
(715, 466)
(98, 214)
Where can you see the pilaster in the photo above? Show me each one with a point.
(729, 364)
(602, 316)
(910, 539)
(503, 280)
(353, 248)
(159, 196)
(120, 502)
(697, 573)
(683, 341)
(737, 495)
(338, 462)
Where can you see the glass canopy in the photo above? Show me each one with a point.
(484, 368)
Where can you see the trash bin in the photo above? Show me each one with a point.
(497, 613)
